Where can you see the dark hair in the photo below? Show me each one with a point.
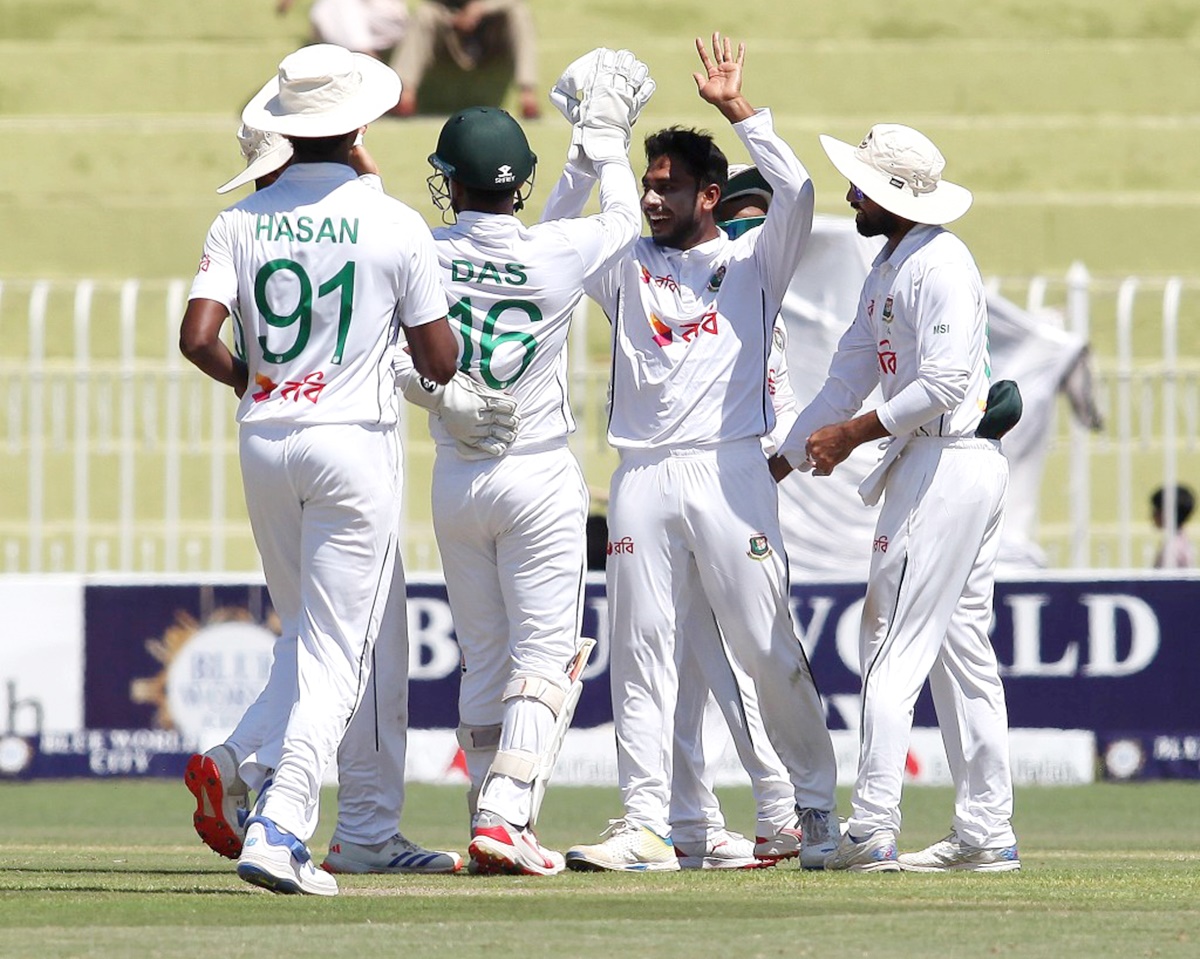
(700, 156)
(319, 148)
(1185, 503)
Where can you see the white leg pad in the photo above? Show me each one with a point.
(546, 691)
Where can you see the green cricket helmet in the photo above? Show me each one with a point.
(483, 148)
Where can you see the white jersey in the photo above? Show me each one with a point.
(316, 270)
(920, 334)
(692, 328)
(513, 290)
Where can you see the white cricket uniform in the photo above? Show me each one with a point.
(316, 271)
(920, 333)
(510, 530)
(709, 683)
(692, 504)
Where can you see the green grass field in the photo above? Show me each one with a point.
(1076, 123)
(112, 869)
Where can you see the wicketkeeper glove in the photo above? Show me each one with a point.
(602, 94)
(482, 421)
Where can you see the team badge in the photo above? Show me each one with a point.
(715, 281)
(886, 316)
(759, 547)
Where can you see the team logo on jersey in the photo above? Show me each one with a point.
(308, 388)
(623, 545)
(662, 332)
(760, 548)
(645, 274)
(886, 315)
(887, 357)
(205, 263)
(715, 281)
(778, 338)
(266, 386)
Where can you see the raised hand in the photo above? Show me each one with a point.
(721, 82)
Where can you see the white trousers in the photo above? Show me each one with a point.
(927, 614)
(704, 519)
(511, 536)
(323, 503)
(712, 686)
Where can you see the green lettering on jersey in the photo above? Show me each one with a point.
(349, 233)
(489, 272)
(516, 274)
(282, 228)
(327, 232)
(263, 225)
(461, 271)
(304, 231)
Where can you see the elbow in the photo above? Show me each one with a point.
(192, 347)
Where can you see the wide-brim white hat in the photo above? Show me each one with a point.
(323, 90)
(901, 170)
(263, 152)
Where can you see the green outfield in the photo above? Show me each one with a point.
(1076, 123)
(110, 870)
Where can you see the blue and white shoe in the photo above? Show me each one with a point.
(275, 859)
(396, 855)
(953, 855)
(875, 853)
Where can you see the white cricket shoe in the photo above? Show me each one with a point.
(952, 854)
(722, 849)
(820, 834)
(784, 844)
(222, 800)
(875, 853)
(625, 847)
(497, 846)
(395, 855)
(275, 859)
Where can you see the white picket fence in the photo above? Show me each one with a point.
(116, 455)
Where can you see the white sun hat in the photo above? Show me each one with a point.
(901, 170)
(323, 90)
(263, 152)
(745, 180)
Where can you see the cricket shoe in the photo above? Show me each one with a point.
(222, 800)
(625, 847)
(953, 855)
(875, 853)
(497, 846)
(820, 833)
(721, 850)
(275, 859)
(784, 844)
(396, 855)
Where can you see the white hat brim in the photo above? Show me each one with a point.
(946, 202)
(378, 93)
(269, 162)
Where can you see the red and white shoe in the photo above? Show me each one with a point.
(723, 849)
(497, 846)
(222, 800)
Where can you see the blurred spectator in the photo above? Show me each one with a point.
(373, 27)
(1175, 552)
(470, 32)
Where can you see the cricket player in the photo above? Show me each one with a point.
(317, 270)
(920, 334)
(691, 504)
(371, 757)
(511, 529)
(709, 683)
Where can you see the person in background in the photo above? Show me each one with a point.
(373, 27)
(470, 31)
(1177, 552)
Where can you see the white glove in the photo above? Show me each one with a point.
(568, 90)
(617, 92)
(482, 421)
